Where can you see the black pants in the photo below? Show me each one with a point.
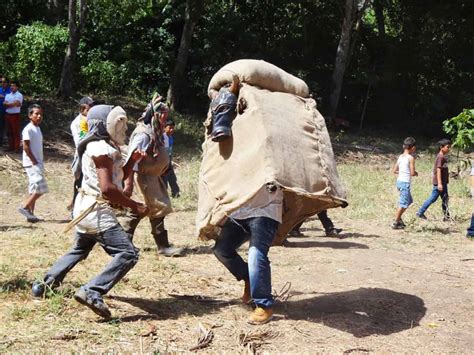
(325, 221)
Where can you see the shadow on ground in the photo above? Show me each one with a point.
(362, 312)
(329, 244)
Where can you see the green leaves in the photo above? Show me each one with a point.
(461, 129)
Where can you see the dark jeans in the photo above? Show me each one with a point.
(260, 231)
(171, 179)
(115, 242)
(435, 193)
(470, 230)
(325, 221)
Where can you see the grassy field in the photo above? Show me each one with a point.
(371, 290)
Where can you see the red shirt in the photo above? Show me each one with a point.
(441, 163)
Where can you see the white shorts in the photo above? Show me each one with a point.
(36, 181)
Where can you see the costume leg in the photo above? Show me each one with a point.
(124, 257)
(173, 181)
(82, 246)
(231, 238)
(325, 220)
(470, 230)
(262, 232)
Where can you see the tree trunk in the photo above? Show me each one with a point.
(65, 89)
(344, 49)
(192, 14)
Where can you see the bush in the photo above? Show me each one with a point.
(34, 56)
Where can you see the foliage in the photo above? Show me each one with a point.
(461, 129)
(34, 56)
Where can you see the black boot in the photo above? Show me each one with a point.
(223, 109)
(164, 247)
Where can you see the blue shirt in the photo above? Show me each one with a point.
(3, 92)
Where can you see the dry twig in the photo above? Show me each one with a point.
(284, 293)
(253, 339)
(204, 339)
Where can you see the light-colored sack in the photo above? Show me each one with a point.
(261, 74)
(278, 138)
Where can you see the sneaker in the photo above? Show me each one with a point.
(397, 225)
(94, 301)
(333, 232)
(30, 217)
(246, 297)
(421, 216)
(37, 289)
(260, 316)
(171, 251)
(402, 223)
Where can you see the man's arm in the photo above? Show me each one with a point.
(110, 191)
(27, 149)
(438, 178)
(413, 172)
(395, 168)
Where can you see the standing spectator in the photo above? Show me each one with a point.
(470, 230)
(12, 103)
(170, 176)
(79, 130)
(440, 181)
(405, 169)
(33, 162)
(4, 91)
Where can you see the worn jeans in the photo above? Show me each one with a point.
(260, 231)
(115, 242)
(435, 193)
(171, 179)
(470, 230)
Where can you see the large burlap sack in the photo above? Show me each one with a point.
(261, 74)
(279, 138)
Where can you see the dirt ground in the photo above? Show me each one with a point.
(373, 290)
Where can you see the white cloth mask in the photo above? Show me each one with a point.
(117, 125)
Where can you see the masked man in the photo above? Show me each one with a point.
(94, 213)
(147, 141)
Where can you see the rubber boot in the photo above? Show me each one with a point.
(164, 247)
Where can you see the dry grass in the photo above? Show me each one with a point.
(373, 289)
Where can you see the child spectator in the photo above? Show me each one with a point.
(170, 177)
(440, 181)
(4, 91)
(33, 162)
(405, 168)
(12, 104)
(78, 130)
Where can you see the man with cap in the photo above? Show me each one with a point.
(94, 210)
(147, 141)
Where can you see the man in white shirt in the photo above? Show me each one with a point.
(33, 162)
(12, 103)
(95, 217)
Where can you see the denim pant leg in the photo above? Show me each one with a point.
(430, 200)
(470, 230)
(262, 232)
(171, 179)
(445, 200)
(82, 246)
(225, 249)
(116, 243)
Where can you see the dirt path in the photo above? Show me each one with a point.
(372, 290)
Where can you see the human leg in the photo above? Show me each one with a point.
(445, 202)
(429, 201)
(160, 235)
(225, 249)
(328, 226)
(173, 181)
(83, 244)
(13, 123)
(470, 230)
(2, 126)
(124, 255)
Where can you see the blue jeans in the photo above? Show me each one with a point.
(470, 230)
(171, 179)
(435, 193)
(260, 231)
(115, 242)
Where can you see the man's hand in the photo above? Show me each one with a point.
(440, 188)
(416, 173)
(128, 191)
(141, 210)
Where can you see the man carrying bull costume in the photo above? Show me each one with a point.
(94, 215)
(146, 141)
(256, 222)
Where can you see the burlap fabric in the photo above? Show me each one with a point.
(277, 138)
(260, 74)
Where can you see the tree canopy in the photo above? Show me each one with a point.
(408, 60)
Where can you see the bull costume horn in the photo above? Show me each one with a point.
(223, 110)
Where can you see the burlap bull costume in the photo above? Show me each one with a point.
(148, 161)
(95, 210)
(267, 165)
